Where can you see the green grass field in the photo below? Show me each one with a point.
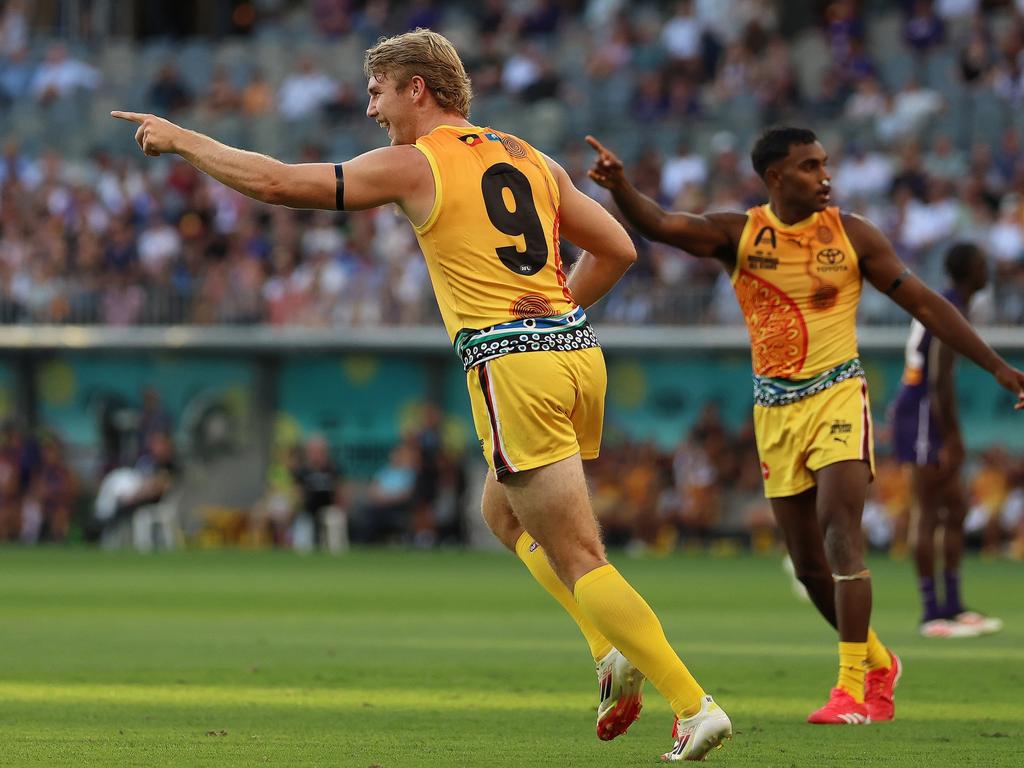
(399, 659)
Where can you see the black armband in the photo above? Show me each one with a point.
(339, 189)
(897, 282)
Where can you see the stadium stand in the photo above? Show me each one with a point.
(917, 102)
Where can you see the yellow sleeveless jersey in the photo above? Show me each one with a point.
(491, 240)
(798, 286)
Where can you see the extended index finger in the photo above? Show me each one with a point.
(597, 145)
(135, 117)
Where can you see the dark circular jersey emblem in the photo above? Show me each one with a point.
(825, 235)
(825, 297)
(830, 256)
(531, 305)
(513, 147)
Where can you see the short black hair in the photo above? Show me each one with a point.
(774, 143)
(959, 258)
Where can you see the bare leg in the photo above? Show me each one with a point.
(553, 504)
(953, 533)
(498, 514)
(842, 490)
(798, 521)
(929, 485)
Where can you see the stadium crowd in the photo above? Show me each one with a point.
(705, 494)
(918, 104)
(918, 108)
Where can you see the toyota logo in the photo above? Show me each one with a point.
(830, 256)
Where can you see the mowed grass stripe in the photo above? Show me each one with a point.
(451, 660)
(348, 699)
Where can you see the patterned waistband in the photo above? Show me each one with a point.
(560, 333)
(770, 392)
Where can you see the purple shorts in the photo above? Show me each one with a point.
(916, 438)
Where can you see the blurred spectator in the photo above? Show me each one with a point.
(933, 220)
(13, 28)
(684, 168)
(16, 74)
(989, 490)
(159, 243)
(923, 30)
(12, 477)
(843, 27)
(47, 508)
(867, 102)
(681, 36)
(153, 420)
(390, 497)
(101, 239)
(59, 76)
(541, 19)
(221, 98)
(975, 58)
(321, 486)
(423, 13)
(257, 96)
(275, 512)
(305, 91)
(332, 18)
(152, 477)
(945, 161)
(862, 174)
(168, 94)
(911, 108)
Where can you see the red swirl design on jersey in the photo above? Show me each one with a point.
(778, 333)
(531, 305)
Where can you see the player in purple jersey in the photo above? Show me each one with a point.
(926, 435)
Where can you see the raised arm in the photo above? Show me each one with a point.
(884, 270)
(389, 175)
(713, 235)
(607, 250)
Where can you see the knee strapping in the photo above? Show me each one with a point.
(859, 576)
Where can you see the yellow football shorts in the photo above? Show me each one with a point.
(531, 409)
(796, 440)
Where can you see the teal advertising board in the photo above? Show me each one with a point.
(74, 389)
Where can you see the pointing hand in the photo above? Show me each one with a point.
(154, 135)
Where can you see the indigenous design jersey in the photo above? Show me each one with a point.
(491, 240)
(798, 286)
(915, 382)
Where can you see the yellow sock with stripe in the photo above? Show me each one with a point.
(852, 668)
(878, 654)
(622, 616)
(535, 559)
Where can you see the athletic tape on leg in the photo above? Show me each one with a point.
(865, 574)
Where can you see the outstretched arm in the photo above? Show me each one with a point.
(714, 235)
(887, 273)
(390, 175)
(607, 250)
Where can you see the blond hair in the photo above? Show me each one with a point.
(427, 54)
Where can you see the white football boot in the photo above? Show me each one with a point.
(621, 687)
(696, 736)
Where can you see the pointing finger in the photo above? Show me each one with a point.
(135, 117)
(596, 145)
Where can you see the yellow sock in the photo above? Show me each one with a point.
(533, 556)
(878, 654)
(852, 667)
(628, 622)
